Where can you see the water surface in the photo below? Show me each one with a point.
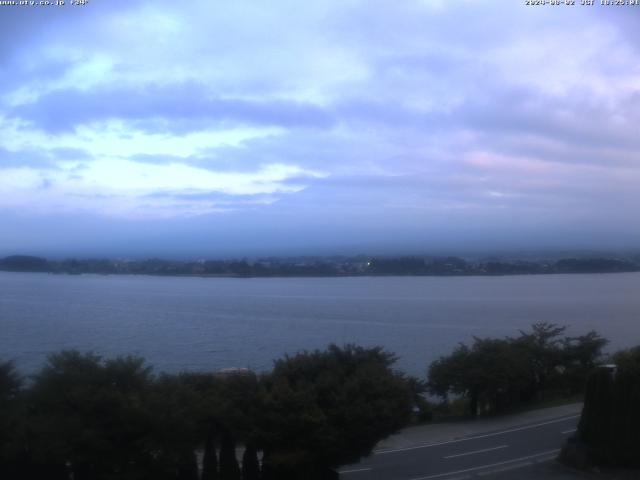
(181, 323)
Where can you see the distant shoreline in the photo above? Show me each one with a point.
(318, 267)
(204, 276)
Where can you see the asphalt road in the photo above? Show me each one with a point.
(490, 454)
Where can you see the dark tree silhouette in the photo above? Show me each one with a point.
(11, 420)
(229, 468)
(210, 458)
(187, 466)
(610, 421)
(327, 408)
(494, 374)
(250, 464)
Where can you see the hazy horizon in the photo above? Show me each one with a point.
(290, 254)
(146, 128)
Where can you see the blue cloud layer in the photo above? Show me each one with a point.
(436, 121)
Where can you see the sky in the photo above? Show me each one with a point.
(216, 128)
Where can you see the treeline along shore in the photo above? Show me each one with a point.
(322, 266)
(88, 418)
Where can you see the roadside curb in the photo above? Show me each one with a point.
(422, 435)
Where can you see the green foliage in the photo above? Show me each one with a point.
(187, 465)
(229, 468)
(449, 374)
(580, 357)
(92, 414)
(24, 263)
(422, 408)
(235, 404)
(595, 265)
(397, 266)
(495, 374)
(595, 422)
(250, 464)
(210, 459)
(610, 419)
(628, 361)
(330, 408)
(452, 407)
(10, 382)
(490, 374)
(173, 407)
(112, 419)
(11, 427)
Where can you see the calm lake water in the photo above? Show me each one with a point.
(211, 323)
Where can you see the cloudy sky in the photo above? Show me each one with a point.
(228, 127)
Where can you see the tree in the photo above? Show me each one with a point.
(250, 464)
(580, 357)
(628, 361)
(10, 382)
(610, 419)
(187, 465)
(91, 414)
(494, 374)
(210, 458)
(229, 468)
(543, 349)
(327, 408)
(228, 409)
(11, 419)
(24, 263)
(421, 406)
(397, 266)
(491, 374)
(176, 405)
(450, 375)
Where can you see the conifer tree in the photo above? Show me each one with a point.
(250, 464)
(210, 459)
(229, 468)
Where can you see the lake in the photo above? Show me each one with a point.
(186, 323)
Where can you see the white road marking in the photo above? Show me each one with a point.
(569, 431)
(477, 451)
(543, 460)
(518, 429)
(504, 469)
(481, 467)
(355, 470)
